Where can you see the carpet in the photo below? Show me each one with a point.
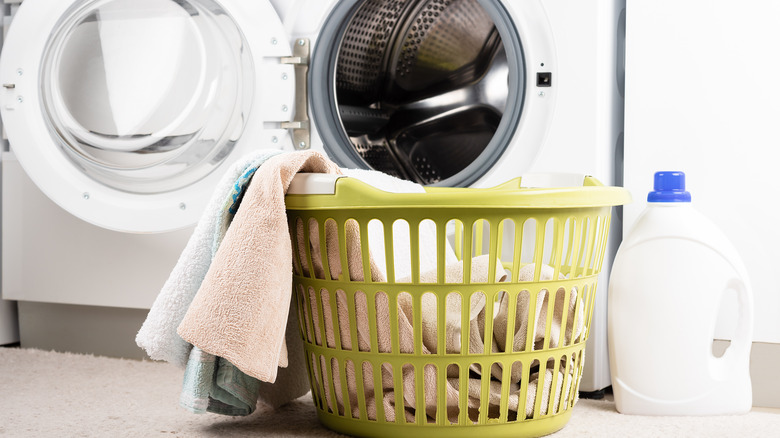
(48, 394)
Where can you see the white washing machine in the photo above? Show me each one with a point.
(125, 113)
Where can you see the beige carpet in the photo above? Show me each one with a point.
(45, 394)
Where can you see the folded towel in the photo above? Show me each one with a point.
(211, 384)
(157, 335)
(240, 311)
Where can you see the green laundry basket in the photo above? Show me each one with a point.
(392, 356)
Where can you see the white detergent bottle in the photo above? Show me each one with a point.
(668, 281)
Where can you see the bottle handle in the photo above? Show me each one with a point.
(743, 338)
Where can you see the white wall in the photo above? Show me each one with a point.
(703, 97)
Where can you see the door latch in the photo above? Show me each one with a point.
(301, 133)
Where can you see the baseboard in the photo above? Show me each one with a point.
(102, 331)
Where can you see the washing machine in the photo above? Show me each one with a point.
(122, 115)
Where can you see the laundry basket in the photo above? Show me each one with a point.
(458, 311)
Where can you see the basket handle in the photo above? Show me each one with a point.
(551, 180)
(314, 184)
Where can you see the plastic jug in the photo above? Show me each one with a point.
(667, 282)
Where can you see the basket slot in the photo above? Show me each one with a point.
(429, 326)
(590, 246)
(467, 249)
(479, 236)
(465, 326)
(414, 256)
(325, 248)
(352, 386)
(511, 329)
(517, 251)
(373, 326)
(312, 312)
(602, 243)
(561, 308)
(320, 334)
(487, 317)
(398, 393)
(555, 393)
(551, 297)
(393, 307)
(578, 246)
(539, 250)
(315, 381)
(441, 324)
(506, 372)
(559, 235)
(484, 392)
(441, 395)
(365, 253)
(338, 387)
(303, 321)
(292, 225)
(307, 248)
(420, 393)
(343, 255)
(454, 228)
(463, 396)
(588, 298)
(403, 260)
(493, 251)
(383, 372)
(441, 251)
(531, 329)
(389, 253)
(417, 326)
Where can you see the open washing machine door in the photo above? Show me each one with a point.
(123, 112)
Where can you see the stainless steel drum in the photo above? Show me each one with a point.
(421, 85)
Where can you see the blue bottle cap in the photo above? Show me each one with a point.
(669, 187)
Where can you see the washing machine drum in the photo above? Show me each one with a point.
(421, 86)
(127, 112)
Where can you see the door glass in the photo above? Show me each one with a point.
(146, 96)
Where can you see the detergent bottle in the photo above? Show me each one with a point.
(667, 284)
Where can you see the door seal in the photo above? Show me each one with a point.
(301, 134)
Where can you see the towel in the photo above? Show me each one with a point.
(157, 335)
(477, 307)
(240, 312)
(453, 273)
(574, 315)
(213, 384)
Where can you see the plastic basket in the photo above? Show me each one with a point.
(367, 343)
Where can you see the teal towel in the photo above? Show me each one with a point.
(211, 383)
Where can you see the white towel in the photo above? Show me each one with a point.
(401, 240)
(158, 335)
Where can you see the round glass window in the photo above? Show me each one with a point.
(146, 96)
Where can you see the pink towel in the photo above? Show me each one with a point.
(240, 311)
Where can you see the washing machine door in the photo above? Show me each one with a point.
(127, 112)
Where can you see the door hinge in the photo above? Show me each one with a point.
(301, 133)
